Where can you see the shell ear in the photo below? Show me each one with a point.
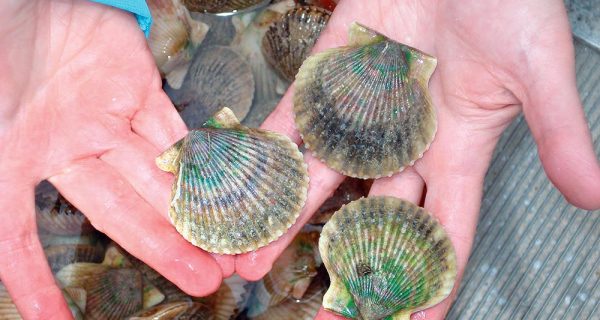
(224, 118)
(360, 35)
(339, 300)
(168, 160)
(422, 65)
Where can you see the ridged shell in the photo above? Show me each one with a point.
(364, 109)
(74, 305)
(224, 6)
(181, 310)
(221, 30)
(269, 85)
(56, 215)
(236, 188)
(351, 189)
(288, 41)
(325, 4)
(111, 293)
(291, 275)
(61, 255)
(8, 310)
(297, 309)
(385, 257)
(173, 39)
(78, 296)
(117, 257)
(218, 77)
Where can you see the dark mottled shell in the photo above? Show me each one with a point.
(224, 6)
(173, 39)
(61, 255)
(58, 216)
(288, 41)
(297, 309)
(385, 257)
(111, 293)
(351, 189)
(236, 188)
(218, 77)
(364, 109)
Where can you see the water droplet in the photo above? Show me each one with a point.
(537, 265)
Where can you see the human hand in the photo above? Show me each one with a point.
(81, 105)
(494, 60)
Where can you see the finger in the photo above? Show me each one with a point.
(23, 266)
(133, 159)
(326, 315)
(554, 114)
(407, 185)
(323, 182)
(454, 191)
(226, 262)
(158, 122)
(115, 209)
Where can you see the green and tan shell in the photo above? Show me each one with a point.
(236, 188)
(224, 7)
(179, 310)
(386, 258)
(365, 109)
(289, 40)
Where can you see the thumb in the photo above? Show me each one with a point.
(553, 111)
(23, 266)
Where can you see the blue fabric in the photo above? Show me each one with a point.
(138, 7)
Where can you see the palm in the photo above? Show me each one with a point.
(90, 119)
(490, 63)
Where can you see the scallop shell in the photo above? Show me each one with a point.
(8, 310)
(61, 255)
(236, 188)
(78, 297)
(181, 310)
(111, 293)
(386, 258)
(173, 39)
(297, 309)
(218, 77)
(117, 257)
(74, 306)
(222, 30)
(364, 109)
(224, 6)
(289, 41)
(58, 216)
(290, 275)
(269, 85)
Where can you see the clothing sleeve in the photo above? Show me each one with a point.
(138, 7)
